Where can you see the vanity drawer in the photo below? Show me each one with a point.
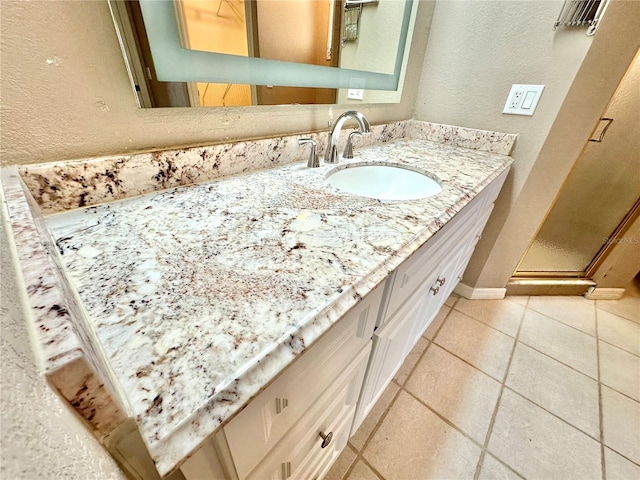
(268, 417)
(417, 268)
(300, 454)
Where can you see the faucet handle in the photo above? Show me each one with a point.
(348, 149)
(313, 161)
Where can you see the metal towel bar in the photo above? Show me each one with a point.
(581, 13)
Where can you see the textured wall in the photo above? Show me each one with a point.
(42, 438)
(65, 92)
(476, 51)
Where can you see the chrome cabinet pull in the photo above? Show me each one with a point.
(441, 281)
(326, 439)
(286, 470)
(604, 130)
(434, 291)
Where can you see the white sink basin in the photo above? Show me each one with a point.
(384, 182)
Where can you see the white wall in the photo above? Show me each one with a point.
(41, 436)
(476, 50)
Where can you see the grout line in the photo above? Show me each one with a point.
(562, 323)
(484, 324)
(618, 313)
(620, 393)
(455, 427)
(467, 362)
(559, 361)
(393, 380)
(600, 411)
(355, 460)
(578, 371)
(380, 420)
(521, 395)
(551, 413)
(484, 450)
(622, 455)
(497, 407)
(504, 464)
(455, 300)
(444, 320)
(618, 347)
(443, 418)
(413, 369)
(371, 467)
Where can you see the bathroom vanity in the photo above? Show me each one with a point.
(298, 426)
(242, 326)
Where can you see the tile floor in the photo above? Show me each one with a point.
(526, 387)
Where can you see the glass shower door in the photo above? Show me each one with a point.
(602, 191)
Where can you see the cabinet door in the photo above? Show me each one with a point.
(391, 344)
(267, 419)
(300, 455)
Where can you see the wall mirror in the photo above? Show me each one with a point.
(213, 53)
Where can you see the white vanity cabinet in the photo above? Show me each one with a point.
(330, 389)
(416, 291)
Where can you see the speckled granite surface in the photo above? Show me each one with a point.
(188, 289)
(62, 186)
(70, 355)
(199, 296)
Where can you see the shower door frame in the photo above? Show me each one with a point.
(617, 236)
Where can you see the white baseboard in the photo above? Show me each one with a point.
(595, 293)
(480, 293)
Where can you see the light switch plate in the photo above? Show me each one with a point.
(355, 93)
(523, 99)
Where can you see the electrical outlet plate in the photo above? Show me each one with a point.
(523, 99)
(355, 93)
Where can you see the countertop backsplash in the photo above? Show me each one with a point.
(62, 186)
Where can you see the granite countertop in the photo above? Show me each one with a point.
(175, 307)
(200, 295)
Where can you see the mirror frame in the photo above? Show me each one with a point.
(174, 63)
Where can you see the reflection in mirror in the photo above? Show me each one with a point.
(284, 48)
(299, 31)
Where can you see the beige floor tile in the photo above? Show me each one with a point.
(451, 301)
(478, 344)
(620, 370)
(627, 307)
(411, 360)
(501, 315)
(368, 425)
(576, 312)
(414, 443)
(618, 467)
(619, 331)
(457, 391)
(539, 445)
(522, 300)
(621, 422)
(342, 464)
(436, 322)
(557, 388)
(362, 472)
(492, 469)
(566, 344)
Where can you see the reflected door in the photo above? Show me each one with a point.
(602, 191)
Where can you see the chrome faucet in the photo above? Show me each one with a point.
(331, 155)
